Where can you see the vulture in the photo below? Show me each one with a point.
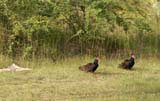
(90, 67)
(128, 63)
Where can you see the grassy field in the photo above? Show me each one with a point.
(62, 81)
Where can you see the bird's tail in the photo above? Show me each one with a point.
(80, 68)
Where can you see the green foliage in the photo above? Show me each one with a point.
(70, 27)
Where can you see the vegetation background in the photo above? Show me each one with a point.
(61, 28)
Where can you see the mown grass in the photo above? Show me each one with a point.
(63, 81)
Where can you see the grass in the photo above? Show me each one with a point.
(63, 81)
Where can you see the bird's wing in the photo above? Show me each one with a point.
(88, 67)
(126, 60)
(84, 67)
(124, 63)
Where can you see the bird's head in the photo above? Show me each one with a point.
(132, 56)
(97, 60)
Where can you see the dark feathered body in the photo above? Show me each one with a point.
(90, 67)
(128, 63)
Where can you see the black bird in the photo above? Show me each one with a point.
(90, 67)
(128, 63)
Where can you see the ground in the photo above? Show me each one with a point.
(62, 81)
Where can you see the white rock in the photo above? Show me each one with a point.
(14, 67)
